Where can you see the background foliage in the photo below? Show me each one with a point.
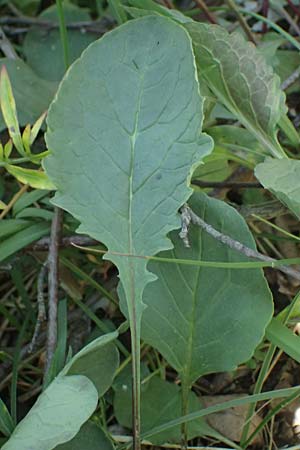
(174, 106)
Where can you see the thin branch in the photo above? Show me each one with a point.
(53, 277)
(241, 20)
(208, 14)
(44, 243)
(13, 201)
(281, 11)
(267, 210)
(189, 215)
(227, 184)
(41, 317)
(290, 79)
(265, 10)
(96, 26)
(294, 7)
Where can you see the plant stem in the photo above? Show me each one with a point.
(63, 32)
(56, 232)
(136, 383)
(6, 47)
(185, 389)
(13, 201)
(41, 317)
(53, 282)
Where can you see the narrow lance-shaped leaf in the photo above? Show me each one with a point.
(124, 132)
(35, 178)
(9, 111)
(240, 78)
(197, 317)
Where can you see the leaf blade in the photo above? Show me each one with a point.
(195, 317)
(56, 416)
(9, 111)
(251, 91)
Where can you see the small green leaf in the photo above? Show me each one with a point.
(8, 148)
(41, 213)
(35, 178)
(1, 151)
(197, 317)
(26, 139)
(9, 111)
(241, 80)
(36, 127)
(282, 178)
(12, 226)
(90, 437)
(98, 361)
(28, 199)
(6, 422)
(57, 415)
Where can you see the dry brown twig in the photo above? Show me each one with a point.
(53, 285)
(188, 216)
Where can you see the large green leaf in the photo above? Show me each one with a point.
(98, 361)
(57, 415)
(240, 78)
(282, 178)
(125, 136)
(32, 94)
(206, 320)
(90, 437)
(42, 47)
(161, 402)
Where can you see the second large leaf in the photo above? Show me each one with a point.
(202, 319)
